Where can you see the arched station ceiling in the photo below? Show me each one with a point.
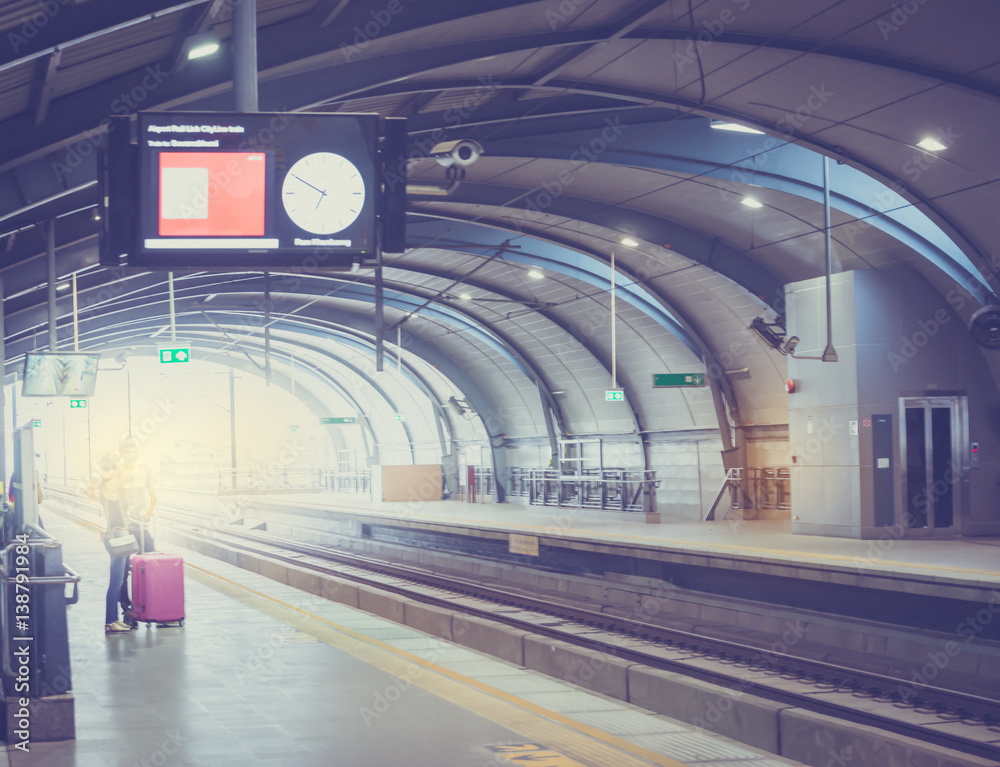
(596, 123)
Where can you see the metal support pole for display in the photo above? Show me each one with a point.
(614, 348)
(3, 396)
(128, 390)
(245, 55)
(50, 252)
(76, 318)
(267, 328)
(232, 424)
(170, 302)
(379, 317)
(829, 354)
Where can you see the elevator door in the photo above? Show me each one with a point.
(932, 437)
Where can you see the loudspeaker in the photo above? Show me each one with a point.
(117, 176)
(394, 137)
(985, 326)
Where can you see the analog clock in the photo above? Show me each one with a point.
(323, 193)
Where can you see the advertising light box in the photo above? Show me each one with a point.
(265, 189)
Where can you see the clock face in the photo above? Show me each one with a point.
(323, 193)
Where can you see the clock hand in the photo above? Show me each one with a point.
(321, 196)
(321, 191)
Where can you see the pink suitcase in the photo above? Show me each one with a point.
(157, 587)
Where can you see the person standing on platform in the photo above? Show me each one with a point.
(133, 483)
(102, 492)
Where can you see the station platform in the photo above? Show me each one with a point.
(966, 569)
(263, 673)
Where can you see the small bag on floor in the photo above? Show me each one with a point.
(120, 542)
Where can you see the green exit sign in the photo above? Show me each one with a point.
(78, 403)
(347, 419)
(399, 416)
(294, 428)
(38, 422)
(174, 355)
(614, 395)
(673, 380)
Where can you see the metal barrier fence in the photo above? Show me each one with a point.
(480, 485)
(755, 488)
(607, 489)
(358, 482)
(331, 480)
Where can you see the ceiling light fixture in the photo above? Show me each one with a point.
(628, 242)
(62, 286)
(535, 274)
(735, 127)
(752, 202)
(931, 144)
(202, 45)
(465, 297)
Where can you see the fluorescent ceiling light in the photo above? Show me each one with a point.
(62, 286)
(200, 46)
(751, 202)
(535, 274)
(465, 297)
(931, 144)
(628, 242)
(735, 127)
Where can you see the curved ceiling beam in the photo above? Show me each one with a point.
(380, 72)
(701, 248)
(303, 393)
(741, 159)
(321, 318)
(118, 336)
(361, 290)
(832, 49)
(570, 259)
(719, 381)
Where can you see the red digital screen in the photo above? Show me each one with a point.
(212, 194)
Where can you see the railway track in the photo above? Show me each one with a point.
(877, 700)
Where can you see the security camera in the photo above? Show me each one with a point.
(462, 152)
(120, 359)
(790, 345)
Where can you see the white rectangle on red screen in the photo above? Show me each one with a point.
(212, 194)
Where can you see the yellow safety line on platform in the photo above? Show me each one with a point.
(868, 562)
(566, 735)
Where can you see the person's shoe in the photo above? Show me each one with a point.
(117, 627)
(129, 621)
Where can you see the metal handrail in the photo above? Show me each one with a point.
(45, 580)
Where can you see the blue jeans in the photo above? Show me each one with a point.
(114, 589)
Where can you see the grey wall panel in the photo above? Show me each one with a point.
(907, 341)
